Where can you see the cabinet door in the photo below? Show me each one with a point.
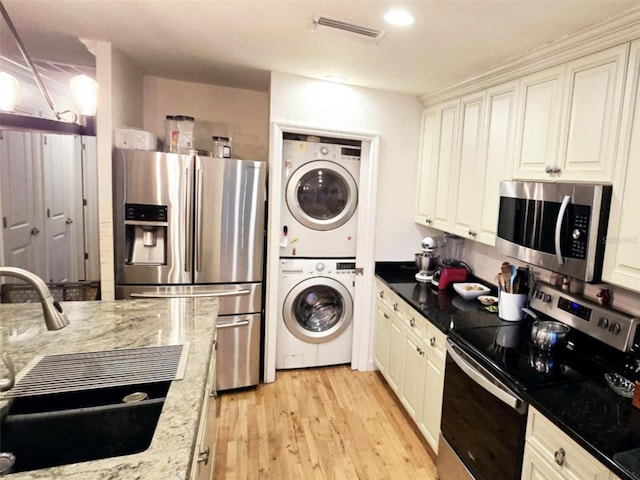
(411, 394)
(622, 261)
(539, 111)
(382, 338)
(442, 173)
(425, 194)
(593, 99)
(396, 354)
(496, 164)
(468, 171)
(430, 416)
(534, 467)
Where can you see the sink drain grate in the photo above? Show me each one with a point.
(92, 370)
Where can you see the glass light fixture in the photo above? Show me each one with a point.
(85, 92)
(399, 17)
(9, 90)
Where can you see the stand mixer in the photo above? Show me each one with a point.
(427, 259)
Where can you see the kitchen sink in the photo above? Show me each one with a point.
(62, 428)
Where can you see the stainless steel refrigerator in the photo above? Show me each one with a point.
(188, 225)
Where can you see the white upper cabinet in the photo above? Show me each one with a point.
(438, 153)
(538, 125)
(568, 119)
(622, 253)
(496, 161)
(468, 168)
(593, 100)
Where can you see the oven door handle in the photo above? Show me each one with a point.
(483, 378)
(557, 240)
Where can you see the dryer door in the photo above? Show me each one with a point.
(322, 195)
(318, 309)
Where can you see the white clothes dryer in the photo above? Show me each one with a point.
(316, 312)
(319, 199)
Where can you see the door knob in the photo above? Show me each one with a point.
(34, 231)
(69, 221)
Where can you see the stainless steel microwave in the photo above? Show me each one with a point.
(558, 226)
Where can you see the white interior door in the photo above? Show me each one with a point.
(21, 215)
(59, 186)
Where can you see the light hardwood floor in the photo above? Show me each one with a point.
(320, 423)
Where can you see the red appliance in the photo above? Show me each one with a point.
(446, 275)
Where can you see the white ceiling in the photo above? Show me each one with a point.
(237, 42)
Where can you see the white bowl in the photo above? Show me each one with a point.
(470, 290)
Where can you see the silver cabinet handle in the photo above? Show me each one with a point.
(420, 350)
(381, 294)
(395, 307)
(34, 231)
(412, 322)
(560, 456)
(386, 316)
(203, 457)
(69, 221)
(548, 169)
(432, 341)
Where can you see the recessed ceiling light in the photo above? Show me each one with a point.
(335, 78)
(399, 17)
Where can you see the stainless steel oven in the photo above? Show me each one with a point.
(483, 423)
(558, 226)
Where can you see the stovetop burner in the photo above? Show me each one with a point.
(508, 350)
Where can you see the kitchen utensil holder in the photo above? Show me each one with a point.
(510, 306)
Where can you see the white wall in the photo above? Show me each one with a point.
(240, 114)
(119, 103)
(395, 117)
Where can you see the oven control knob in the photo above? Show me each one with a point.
(576, 234)
(615, 328)
(545, 297)
(603, 322)
(324, 150)
(319, 266)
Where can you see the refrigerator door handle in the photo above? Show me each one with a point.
(221, 293)
(188, 207)
(241, 323)
(198, 246)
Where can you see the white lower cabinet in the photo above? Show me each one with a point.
(550, 454)
(410, 353)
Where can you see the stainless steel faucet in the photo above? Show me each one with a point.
(54, 317)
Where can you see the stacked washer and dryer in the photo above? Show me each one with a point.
(317, 251)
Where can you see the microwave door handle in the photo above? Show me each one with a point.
(561, 213)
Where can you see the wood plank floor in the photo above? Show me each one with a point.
(320, 423)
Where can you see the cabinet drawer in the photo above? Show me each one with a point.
(385, 295)
(564, 455)
(414, 320)
(436, 343)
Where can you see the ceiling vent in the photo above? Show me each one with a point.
(357, 32)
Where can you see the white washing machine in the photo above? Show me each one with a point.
(315, 327)
(319, 199)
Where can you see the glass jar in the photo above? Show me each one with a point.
(170, 134)
(221, 147)
(185, 133)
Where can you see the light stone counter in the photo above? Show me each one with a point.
(121, 324)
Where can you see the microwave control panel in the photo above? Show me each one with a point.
(579, 231)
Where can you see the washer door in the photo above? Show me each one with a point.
(322, 195)
(318, 309)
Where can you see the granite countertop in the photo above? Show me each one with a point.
(109, 325)
(598, 419)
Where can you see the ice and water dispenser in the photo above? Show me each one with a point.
(145, 234)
